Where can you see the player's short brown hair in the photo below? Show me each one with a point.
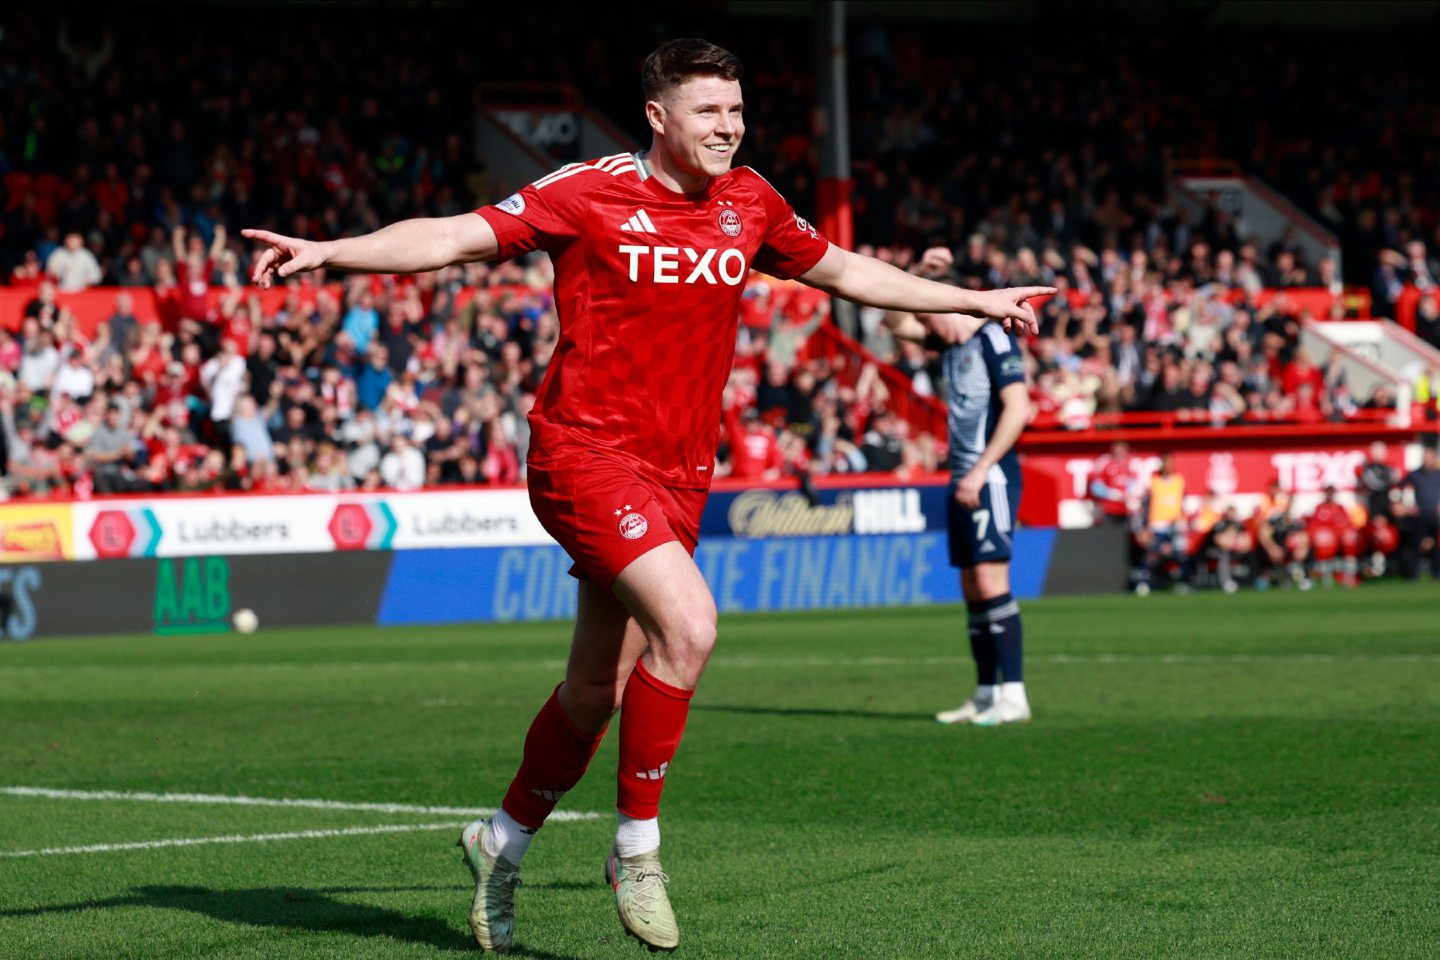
(677, 61)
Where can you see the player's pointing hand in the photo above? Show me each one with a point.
(1010, 307)
(286, 256)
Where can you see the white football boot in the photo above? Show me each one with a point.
(966, 712)
(1003, 711)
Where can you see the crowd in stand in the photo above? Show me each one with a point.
(112, 129)
(1196, 337)
(403, 382)
(373, 382)
(126, 154)
(397, 382)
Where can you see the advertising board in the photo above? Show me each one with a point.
(311, 523)
(190, 595)
(745, 576)
(32, 532)
(1239, 474)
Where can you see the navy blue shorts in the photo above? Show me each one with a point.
(982, 535)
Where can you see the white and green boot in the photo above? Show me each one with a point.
(639, 885)
(966, 712)
(492, 912)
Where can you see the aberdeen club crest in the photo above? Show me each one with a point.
(633, 526)
(729, 223)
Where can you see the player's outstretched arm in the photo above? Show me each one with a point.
(410, 246)
(869, 281)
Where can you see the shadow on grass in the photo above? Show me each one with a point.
(294, 909)
(812, 712)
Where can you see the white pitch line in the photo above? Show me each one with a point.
(223, 800)
(1080, 658)
(741, 662)
(231, 838)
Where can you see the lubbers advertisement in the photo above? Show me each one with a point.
(318, 523)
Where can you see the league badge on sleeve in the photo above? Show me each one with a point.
(513, 205)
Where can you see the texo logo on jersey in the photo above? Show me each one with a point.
(704, 265)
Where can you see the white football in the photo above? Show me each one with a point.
(245, 620)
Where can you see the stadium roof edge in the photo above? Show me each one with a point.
(1347, 15)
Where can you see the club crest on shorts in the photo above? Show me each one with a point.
(633, 525)
(729, 222)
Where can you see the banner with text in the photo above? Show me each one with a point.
(794, 573)
(316, 523)
(33, 532)
(866, 510)
(198, 594)
(1240, 475)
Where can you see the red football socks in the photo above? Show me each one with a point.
(652, 721)
(556, 755)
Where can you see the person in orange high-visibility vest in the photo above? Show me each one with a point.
(1165, 521)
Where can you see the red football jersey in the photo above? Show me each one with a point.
(1331, 515)
(1117, 476)
(647, 286)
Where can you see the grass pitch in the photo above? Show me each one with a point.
(1206, 776)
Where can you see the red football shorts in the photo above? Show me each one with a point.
(605, 513)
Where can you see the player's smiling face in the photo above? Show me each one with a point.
(701, 124)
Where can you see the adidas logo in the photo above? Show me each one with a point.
(653, 774)
(987, 546)
(640, 223)
(552, 795)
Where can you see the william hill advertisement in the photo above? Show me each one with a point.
(762, 513)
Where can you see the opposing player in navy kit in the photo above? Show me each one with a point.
(988, 406)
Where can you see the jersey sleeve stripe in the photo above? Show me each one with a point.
(569, 168)
(999, 339)
(573, 169)
(608, 163)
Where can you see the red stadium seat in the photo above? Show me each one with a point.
(17, 184)
(1383, 536)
